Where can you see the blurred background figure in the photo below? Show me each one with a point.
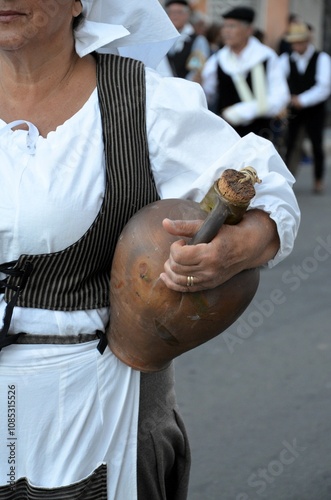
(284, 46)
(214, 37)
(243, 81)
(189, 53)
(259, 34)
(200, 22)
(308, 73)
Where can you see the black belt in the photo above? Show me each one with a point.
(26, 338)
(6, 338)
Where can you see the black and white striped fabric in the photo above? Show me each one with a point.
(91, 488)
(77, 278)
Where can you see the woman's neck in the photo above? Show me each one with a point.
(26, 76)
(45, 92)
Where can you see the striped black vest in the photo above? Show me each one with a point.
(78, 277)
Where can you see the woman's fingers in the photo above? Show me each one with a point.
(182, 227)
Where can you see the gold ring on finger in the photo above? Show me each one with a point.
(190, 281)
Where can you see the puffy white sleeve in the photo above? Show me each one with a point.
(190, 146)
(321, 91)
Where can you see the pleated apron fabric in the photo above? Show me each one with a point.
(68, 419)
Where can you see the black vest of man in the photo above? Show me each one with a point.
(178, 60)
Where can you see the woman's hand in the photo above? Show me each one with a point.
(190, 268)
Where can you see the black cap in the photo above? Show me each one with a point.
(241, 13)
(182, 2)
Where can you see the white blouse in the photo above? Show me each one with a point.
(52, 188)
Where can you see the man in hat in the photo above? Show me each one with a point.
(243, 81)
(308, 73)
(283, 44)
(188, 55)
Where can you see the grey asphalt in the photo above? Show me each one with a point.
(256, 400)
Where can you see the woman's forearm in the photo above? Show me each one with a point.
(260, 236)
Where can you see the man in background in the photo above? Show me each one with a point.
(188, 55)
(243, 81)
(308, 73)
(283, 44)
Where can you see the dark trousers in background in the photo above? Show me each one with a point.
(312, 122)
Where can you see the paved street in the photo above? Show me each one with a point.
(257, 399)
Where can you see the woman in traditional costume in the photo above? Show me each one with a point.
(89, 134)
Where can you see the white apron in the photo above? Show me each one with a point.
(65, 410)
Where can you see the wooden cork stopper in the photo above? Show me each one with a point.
(237, 187)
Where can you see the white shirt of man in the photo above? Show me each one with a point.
(322, 88)
(238, 66)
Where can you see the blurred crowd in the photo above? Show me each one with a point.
(279, 94)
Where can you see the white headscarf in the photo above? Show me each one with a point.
(140, 29)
